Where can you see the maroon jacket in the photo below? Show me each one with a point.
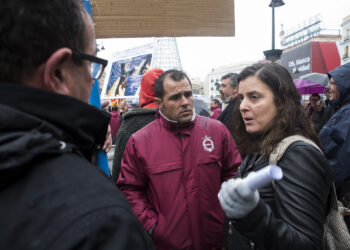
(115, 123)
(215, 113)
(171, 175)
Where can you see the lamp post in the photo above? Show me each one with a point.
(273, 54)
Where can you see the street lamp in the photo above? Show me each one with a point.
(274, 54)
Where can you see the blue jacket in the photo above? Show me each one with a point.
(335, 135)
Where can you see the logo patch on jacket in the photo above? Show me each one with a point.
(208, 144)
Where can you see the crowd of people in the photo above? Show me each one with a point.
(177, 178)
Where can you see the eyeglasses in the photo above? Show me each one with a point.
(98, 65)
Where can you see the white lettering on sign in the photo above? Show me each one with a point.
(303, 60)
(301, 68)
(304, 67)
(300, 65)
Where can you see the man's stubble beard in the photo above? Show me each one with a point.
(227, 99)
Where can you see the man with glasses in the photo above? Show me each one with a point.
(52, 196)
(318, 113)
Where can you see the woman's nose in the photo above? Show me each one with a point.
(243, 106)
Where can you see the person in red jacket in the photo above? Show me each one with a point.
(115, 120)
(215, 107)
(172, 170)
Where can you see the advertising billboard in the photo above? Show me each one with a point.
(298, 61)
(320, 57)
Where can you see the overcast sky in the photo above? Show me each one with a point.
(253, 24)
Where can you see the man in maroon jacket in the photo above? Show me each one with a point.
(215, 107)
(115, 120)
(173, 168)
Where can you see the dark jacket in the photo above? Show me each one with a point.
(335, 135)
(226, 116)
(289, 215)
(51, 196)
(319, 118)
(133, 120)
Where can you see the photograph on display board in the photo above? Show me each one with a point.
(126, 75)
(126, 71)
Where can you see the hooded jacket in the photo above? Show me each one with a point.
(146, 98)
(335, 135)
(171, 174)
(51, 196)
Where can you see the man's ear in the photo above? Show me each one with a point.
(55, 71)
(158, 102)
(235, 90)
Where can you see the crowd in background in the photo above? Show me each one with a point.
(295, 118)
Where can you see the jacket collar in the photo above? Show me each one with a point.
(66, 118)
(177, 127)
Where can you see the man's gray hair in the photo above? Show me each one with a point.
(233, 80)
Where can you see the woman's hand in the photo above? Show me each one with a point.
(236, 198)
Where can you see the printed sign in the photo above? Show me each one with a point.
(298, 60)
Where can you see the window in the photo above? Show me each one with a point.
(346, 52)
(347, 35)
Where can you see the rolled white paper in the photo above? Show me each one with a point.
(263, 177)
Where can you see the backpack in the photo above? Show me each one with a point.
(336, 235)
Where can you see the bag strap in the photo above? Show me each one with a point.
(334, 202)
(278, 152)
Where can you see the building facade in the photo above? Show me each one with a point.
(345, 44)
(212, 82)
(197, 86)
